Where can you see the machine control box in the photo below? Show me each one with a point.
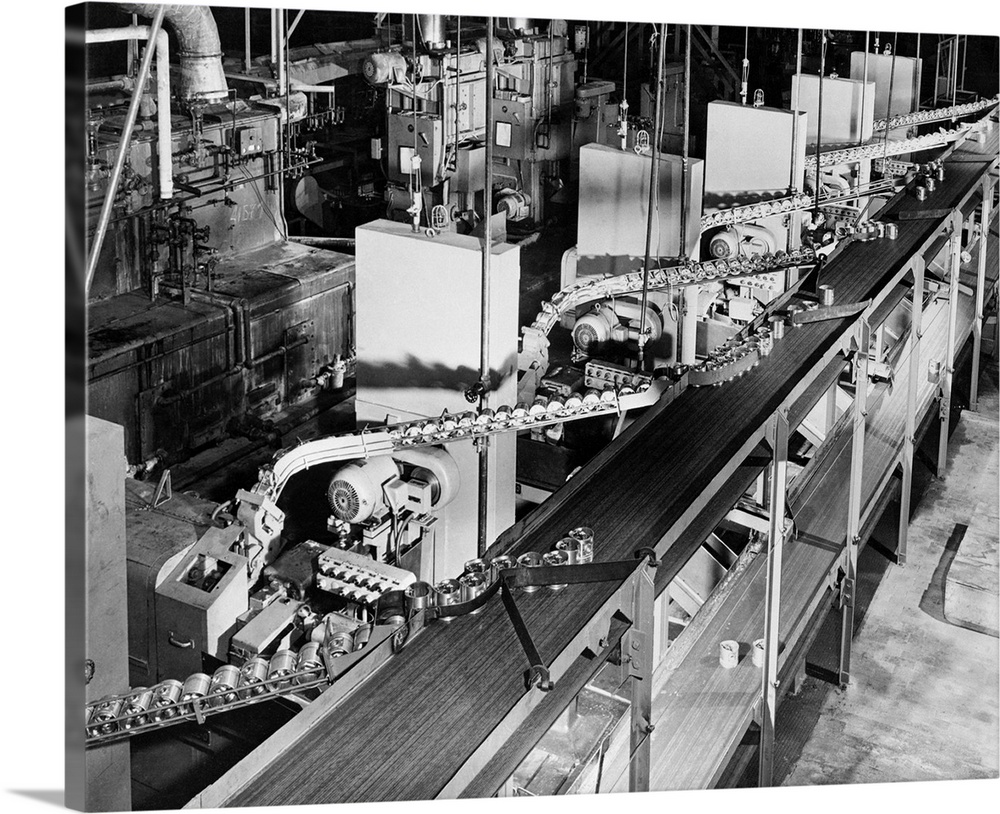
(249, 141)
(358, 578)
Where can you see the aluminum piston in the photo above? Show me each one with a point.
(102, 718)
(777, 327)
(252, 677)
(165, 694)
(585, 535)
(224, 683)
(418, 595)
(530, 559)
(342, 643)
(448, 592)
(556, 558)
(503, 562)
(135, 707)
(473, 585)
(196, 685)
(282, 663)
(570, 546)
(309, 659)
(478, 566)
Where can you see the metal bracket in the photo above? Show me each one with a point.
(846, 592)
(537, 673)
(163, 491)
(634, 654)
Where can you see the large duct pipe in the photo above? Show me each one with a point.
(199, 49)
(432, 30)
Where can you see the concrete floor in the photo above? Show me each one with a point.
(923, 700)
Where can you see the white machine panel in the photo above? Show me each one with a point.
(904, 78)
(418, 306)
(614, 203)
(749, 149)
(848, 107)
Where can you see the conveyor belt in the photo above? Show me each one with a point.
(704, 710)
(407, 730)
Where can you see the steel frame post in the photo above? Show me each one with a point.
(955, 256)
(910, 432)
(860, 411)
(640, 654)
(985, 213)
(778, 440)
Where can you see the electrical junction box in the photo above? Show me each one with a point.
(249, 141)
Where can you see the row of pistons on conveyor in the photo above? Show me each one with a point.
(172, 698)
(577, 547)
(543, 408)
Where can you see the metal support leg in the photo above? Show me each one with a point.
(860, 411)
(909, 433)
(977, 326)
(947, 375)
(776, 534)
(640, 653)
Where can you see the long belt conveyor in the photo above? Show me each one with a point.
(452, 717)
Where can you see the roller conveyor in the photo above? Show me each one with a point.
(407, 731)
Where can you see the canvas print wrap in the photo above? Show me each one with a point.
(502, 406)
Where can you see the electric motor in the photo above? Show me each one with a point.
(355, 491)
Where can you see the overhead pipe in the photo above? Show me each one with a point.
(164, 140)
(116, 171)
(199, 49)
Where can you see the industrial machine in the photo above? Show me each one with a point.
(511, 515)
